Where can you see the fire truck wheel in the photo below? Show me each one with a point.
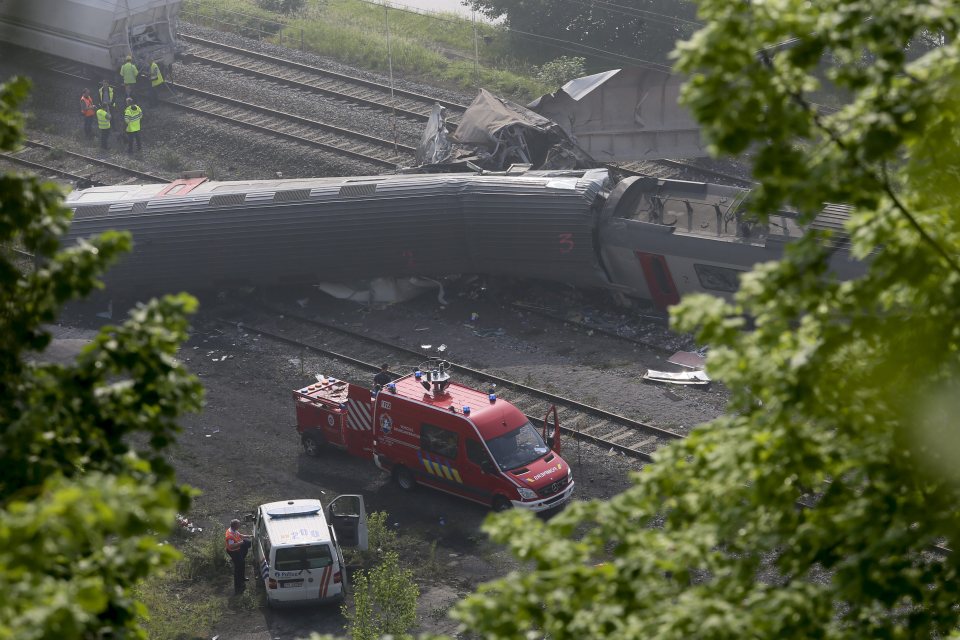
(311, 444)
(501, 504)
(404, 478)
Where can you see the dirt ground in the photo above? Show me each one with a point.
(243, 450)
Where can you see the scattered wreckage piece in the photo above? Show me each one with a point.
(689, 359)
(694, 378)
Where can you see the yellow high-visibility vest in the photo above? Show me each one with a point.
(129, 72)
(106, 95)
(156, 78)
(103, 118)
(132, 115)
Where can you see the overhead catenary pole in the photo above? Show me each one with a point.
(393, 110)
(476, 50)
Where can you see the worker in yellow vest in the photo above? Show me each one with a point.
(129, 73)
(103, 122)
(156, 79)
(132, 115)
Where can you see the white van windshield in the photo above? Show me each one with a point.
(315, 556)
(521, 446)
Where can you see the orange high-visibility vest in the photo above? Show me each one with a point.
(86, 106)
(234, 539)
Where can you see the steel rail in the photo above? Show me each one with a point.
(543, 313)
(326, 72)
(391, 159)
(235, 64)
(103, 163)
(546, 395)
(43, 167)
(712, 172)
(303, 346)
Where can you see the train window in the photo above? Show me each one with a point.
(718, 278)
(439, 441)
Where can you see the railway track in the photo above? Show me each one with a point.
(275, 123)
(580, 420)
(360, 91)
(77, 167)
(278, 124)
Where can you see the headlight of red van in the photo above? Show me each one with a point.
(526, 494)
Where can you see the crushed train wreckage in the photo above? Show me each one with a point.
(508, 193)
(493, 135)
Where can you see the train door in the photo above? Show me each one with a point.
(663, 292)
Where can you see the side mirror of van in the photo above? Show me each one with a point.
(486, 466)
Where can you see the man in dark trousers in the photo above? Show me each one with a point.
(87, 112)
(237, 546)
(382, 378)
(103, 123)
(132, 117)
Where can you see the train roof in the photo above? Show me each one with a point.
(196, 190)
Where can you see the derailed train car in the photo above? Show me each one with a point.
(643, 237)
(96, 33)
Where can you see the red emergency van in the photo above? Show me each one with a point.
(426, 429)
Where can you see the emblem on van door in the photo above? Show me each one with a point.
(330, 420)
(386, 423)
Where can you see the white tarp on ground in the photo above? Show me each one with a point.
(681, 377)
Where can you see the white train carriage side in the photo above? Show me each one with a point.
(661, 239)
(643, 237)
(96, 33)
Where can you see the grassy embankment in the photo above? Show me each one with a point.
(425, 47)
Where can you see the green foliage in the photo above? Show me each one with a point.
(609, 32)
(843, 394)
(385, 601)
(354, 31)
(84, 484)
(282, 6)
(558, 72)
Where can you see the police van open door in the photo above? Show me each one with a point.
(348, 517)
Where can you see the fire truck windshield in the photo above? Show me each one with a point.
(519, 447)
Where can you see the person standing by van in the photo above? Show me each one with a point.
(237, 546)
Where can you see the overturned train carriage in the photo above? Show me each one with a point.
(97, 33)
(648, 238)
(193, 234)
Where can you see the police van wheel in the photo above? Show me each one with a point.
(311, 444)
(404, 478)
(501, 504)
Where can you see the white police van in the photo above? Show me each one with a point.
(296, 548)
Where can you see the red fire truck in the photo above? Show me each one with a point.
(426, 429)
